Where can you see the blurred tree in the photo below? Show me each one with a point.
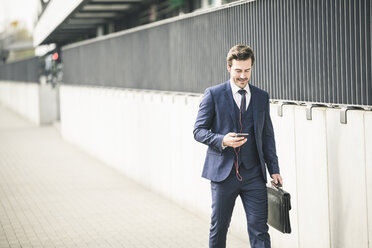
(174, 4)
(17, 42)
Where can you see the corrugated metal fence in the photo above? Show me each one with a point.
(306, 50)
(25, 70)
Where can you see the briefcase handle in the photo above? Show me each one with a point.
(277, 186)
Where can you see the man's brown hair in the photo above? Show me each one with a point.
(240, 52)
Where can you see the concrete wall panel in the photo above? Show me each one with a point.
(22, 97)
(368, 153)
(312, 180)
(286, 150)
(202, 200)
(347, 179)
(48, 106)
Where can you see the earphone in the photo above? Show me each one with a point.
(238, 176)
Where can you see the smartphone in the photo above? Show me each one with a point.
(245, 135)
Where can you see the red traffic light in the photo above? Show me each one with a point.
(55, 56)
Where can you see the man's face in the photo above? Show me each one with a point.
(240, 72)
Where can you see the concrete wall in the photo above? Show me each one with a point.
(148, 135)
(36, 102)
(21, 97)
(326, 165)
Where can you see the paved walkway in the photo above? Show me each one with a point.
(54, 195)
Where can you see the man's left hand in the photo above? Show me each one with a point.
(277, 178)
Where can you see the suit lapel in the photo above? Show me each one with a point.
(254, 103)
(230, 104)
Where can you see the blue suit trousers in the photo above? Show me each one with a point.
(252, 191)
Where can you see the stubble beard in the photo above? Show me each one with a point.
(241, 83)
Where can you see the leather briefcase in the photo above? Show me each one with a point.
(279, 203)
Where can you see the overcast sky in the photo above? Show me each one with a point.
(24, 11)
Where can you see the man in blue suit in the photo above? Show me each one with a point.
(237, 165)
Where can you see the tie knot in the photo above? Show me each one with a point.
(242, 92)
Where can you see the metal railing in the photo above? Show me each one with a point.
(24, 70)
(312, 51)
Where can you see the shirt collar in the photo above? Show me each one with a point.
(235, 88)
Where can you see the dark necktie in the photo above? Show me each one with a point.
(237, 150)
(243, 105)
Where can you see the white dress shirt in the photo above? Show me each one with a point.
(237, 96)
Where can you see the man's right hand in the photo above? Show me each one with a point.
(231, 140)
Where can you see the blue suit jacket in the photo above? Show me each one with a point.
(216, 118)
